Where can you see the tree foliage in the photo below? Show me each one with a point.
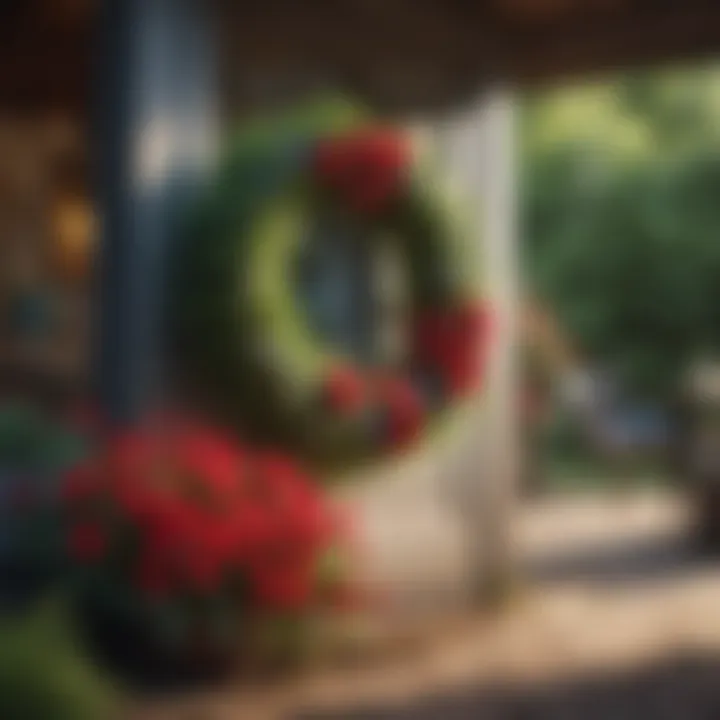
(622, 220)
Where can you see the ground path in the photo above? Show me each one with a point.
(622, 619)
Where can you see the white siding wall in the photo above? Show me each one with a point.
(437, 523)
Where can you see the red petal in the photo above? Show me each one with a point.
(211, 460)
(87, 542)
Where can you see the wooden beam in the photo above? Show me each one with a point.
(45, 55)
(646, 36)
(400, 54)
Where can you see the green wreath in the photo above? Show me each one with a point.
(252, 353)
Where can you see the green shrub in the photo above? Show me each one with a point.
(34, 451)
(43, 675)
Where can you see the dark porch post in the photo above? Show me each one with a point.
(156, 134)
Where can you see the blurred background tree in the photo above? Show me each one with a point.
(621, 211)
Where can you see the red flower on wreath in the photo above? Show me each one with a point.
(405, 410)
(345, 390)
(454, 343)
(367, 167)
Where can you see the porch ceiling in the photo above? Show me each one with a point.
(411, 54)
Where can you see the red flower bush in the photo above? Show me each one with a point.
(185, 512)
(87, 542)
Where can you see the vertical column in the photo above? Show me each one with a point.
(155, 132)
(478, 146)
(499, 187)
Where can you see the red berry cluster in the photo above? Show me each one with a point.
(188, 511)
(366, 168)
(449, 343)
(453, 343)
(405, 410)
(348, 392)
